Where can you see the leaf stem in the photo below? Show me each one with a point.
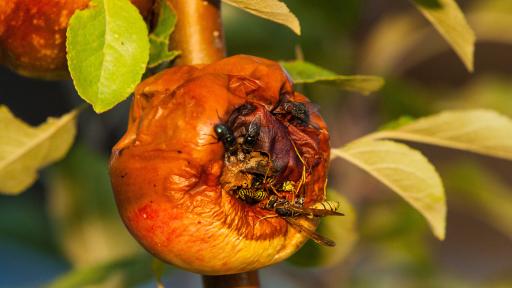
(198, 34)
(246, 280)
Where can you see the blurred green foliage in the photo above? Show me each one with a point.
(395, 247)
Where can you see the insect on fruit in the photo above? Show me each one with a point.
(177, 193)
(298, 111)
(251, 137)
(288, 186)
(290, 212)
(319, 239)
(251, 195)
(326, 205)
(225, 135)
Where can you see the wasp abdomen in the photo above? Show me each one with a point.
(251, 195)
(327, 205)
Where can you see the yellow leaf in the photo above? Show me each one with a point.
(406, 171)
(480, 131)
(273, 10)
(449, 20)
(25, 149)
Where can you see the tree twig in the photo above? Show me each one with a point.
(198, 34)
(241, 280)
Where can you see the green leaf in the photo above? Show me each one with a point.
(83, 211)
(273, 10)
(159, 38)
(340, 229)
(25, 149)
(449, 20)
(303, 73)
(480, 131)
(406, 171)
(107, 51)
(126, 272)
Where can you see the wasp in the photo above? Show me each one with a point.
(289, 212)
(251, 195)
(225, 135)
(326, 205)
(288, 186)
(251, 137)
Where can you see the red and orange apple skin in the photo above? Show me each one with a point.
(166, 169)
(33, 34)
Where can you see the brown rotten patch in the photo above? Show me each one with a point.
(222, 168)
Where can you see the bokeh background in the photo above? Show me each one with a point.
(66, 225)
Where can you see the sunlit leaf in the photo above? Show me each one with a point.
(449, 20)
(406, 171)
(159, 38)
(480, 131)
(340, 229)
(126, 272)
(83, 211)
(273, 10)
(304, 72)
(107, 51)
(478, 190)
(25, 149)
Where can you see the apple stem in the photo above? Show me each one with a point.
(198, 33)
(245, 280)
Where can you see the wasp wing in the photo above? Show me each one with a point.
(319, 239)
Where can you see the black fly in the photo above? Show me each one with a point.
(298, 110)
(251, 137)
(225, 135)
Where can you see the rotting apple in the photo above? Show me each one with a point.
(177, 179)
(33, 34)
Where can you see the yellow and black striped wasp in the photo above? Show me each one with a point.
(290, 213)
(251, 195)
